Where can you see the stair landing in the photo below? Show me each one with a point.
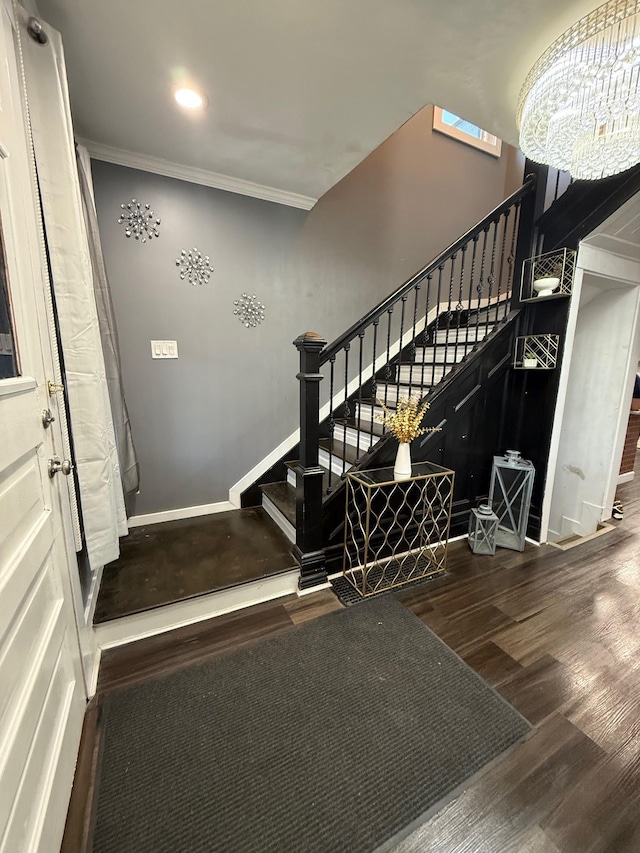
(173, 561)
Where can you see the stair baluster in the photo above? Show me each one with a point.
(491, 277)
(361, 337)
(374, 386)
(332, 420)
(459, 303)
(505, 224)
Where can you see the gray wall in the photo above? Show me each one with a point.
(201, 422)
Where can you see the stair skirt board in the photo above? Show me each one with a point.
(283, 523)
(280, 452)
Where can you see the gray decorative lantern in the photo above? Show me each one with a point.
(510, 496)
(483, 524)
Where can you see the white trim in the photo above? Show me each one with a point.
(278, 518)
(17, 385)
(194, 175)
(180, 512)
(118, 632)
(301, 592)
(92, 680)
(626, 478)
(92, 597)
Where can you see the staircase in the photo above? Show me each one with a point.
(414, 343)
(447, 335)
(419, 372)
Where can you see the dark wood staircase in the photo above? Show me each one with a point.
(426, 364)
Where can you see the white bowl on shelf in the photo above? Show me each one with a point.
(546, 286)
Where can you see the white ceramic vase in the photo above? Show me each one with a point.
(402, 468)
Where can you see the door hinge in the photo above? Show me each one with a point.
(54, 387)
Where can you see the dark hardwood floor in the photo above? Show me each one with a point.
(557, 633)
(175, 560)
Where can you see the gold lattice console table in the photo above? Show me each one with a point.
(396, 531)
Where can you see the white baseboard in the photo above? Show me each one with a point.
(92, 681)
(626, 478)
(128, 629)
(181, 512)
(301, 592)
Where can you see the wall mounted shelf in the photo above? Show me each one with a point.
(536, 352)
(536, 286)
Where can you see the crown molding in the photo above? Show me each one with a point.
(193, 175)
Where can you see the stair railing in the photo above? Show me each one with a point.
(470, 283)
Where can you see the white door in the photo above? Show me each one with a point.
(42, 694)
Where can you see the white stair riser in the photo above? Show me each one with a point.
(390, 394)
(453, 354)
(283, 523)
(368, 413)
(349, 435)
(338, 465)
(475, 333)
(422, 375)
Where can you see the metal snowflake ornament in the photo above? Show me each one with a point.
(194, 266)
(248, 310)
(139, 221)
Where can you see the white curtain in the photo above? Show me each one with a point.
(101, 498)
(127, 457)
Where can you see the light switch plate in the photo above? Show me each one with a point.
(164, 349)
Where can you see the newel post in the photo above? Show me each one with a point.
(530, 211)
(308, 549)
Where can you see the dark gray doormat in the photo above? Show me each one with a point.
(331, 736)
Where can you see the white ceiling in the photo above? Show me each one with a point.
(300, 91)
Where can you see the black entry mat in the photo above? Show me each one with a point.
(348, 594)
(331, 736)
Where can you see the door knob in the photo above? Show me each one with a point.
(54, 465)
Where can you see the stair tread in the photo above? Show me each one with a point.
(339, 449)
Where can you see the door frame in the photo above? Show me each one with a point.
(608, 259)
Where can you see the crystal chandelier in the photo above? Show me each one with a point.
(579, 108)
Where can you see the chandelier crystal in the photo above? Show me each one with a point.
(579, 108)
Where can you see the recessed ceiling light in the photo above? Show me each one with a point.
(189, 99)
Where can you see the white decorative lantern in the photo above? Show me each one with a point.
(483, 525)
(510, 495)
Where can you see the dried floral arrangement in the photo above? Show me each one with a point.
(404, 422)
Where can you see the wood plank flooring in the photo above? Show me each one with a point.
(555, 632)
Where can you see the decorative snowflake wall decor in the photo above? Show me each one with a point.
(138, 221)
(248, 310)
(194, 266)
